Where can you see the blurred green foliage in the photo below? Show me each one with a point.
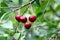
(46, 24)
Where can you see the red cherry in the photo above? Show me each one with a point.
(13, 39)
(23, 19)
(42, 0)
(17, 17)
(27, 25)
(32, 18)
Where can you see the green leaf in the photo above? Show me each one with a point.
(38, 3)
(1, 14)
(3, 4)
(39, 38)
(7, 24)
(23, 9)
(58, 7)
(37, 10)
(20, 2)
(16, 2)
(16, 35)
(2, 38)
(58, 25)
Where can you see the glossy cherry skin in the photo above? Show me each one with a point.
(23, 19)
(27, 25)
(17, 17)
(32, 18)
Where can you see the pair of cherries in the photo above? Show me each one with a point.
(23, 19)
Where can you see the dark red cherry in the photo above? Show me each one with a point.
(27, 25)
(17, 17)
(32, 18)
(23, 19)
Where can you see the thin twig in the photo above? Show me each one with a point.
(20, 6)
(23, 6)
(17, 8)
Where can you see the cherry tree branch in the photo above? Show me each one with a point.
(17, 8)
(21, 5)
